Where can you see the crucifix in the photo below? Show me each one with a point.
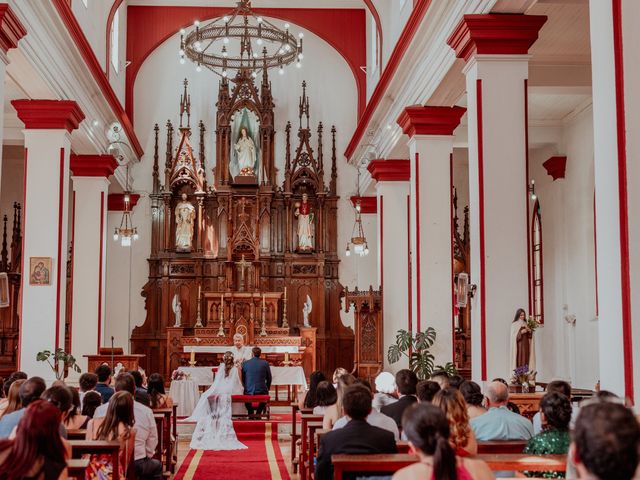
(242, 266)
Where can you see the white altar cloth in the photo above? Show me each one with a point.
(280, 375)
(223, 348)
(186, 394)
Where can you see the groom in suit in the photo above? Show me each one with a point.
(256, 377)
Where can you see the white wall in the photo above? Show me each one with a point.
(333, 95)
(564, 351)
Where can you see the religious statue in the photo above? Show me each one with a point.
(185, 219)
(246, 151)
(177, 310)
(306, 311)
(305, 224)
(522, 345)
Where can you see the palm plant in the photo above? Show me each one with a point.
(417, 349)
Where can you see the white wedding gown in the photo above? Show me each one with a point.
(214, 428)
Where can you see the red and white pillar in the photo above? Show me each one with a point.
(430, 131)
(47, 135)
(11, 31)
(89, 207)
(615, 33)
(495, 48)
(392, 191)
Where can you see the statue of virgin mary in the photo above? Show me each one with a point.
(246, 151)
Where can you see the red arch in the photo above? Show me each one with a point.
(376, 18)
(343, 29)
(112, 13)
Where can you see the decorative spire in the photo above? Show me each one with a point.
(287, 151)
(320, 152)
(185, 105)
(202, 130)
(156, 167)
(304, 104)
(16, 239)
(167, 165)
(333, 186)
(4, 262)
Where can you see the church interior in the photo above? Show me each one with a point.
(263, 218)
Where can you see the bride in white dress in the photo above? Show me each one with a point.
(214, 428)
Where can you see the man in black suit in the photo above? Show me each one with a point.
(357, 436)
(406, 382)
(256, 377)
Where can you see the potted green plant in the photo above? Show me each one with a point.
(416, 347)
(62, 362)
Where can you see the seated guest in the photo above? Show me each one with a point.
(141, 395)
(374, 418)
(338, 372)
(605, 442)
(157, 395)
(357, 436)
(146, 438)
(87, 383)
(559, 386)
(104, 381)
(441, 378)
(385, 390)
(4, 395)
(117, 425)
(428, 430)
(406, 382)
(37, 451)
(60, 396)
(308, 400)
(92, 400)
(6, 387)
(500, 423)
(426, 390)
(473, 396)
(29, 392)
(334, 412)
(13, 399)
(462, 439)
(455, 381)
(326, 396)
(75, 420)
(555, 410)
(510, 405)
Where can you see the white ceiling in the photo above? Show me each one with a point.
(255, 3)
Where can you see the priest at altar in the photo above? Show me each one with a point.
(240, 351)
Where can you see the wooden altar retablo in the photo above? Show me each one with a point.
(245, 237)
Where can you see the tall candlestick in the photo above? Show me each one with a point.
(192, 358)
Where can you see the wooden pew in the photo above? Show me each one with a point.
(389, 463)
(77, 434)
(312, 427)
(401, 445)
(295, 408)
(305, 419)
(77, 467)
(97, 447)
(501, 446)
(164, 450)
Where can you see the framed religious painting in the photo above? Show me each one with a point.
(40, 271)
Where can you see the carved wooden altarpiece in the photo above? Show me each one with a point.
(244, 265)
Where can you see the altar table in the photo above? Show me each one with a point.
(280, 375)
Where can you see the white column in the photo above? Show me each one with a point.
(90, 191)
(11, 31)
(392, 191)
(495, 48)
(430, 131)
(615, 33)
(48, 124)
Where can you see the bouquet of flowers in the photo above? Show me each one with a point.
(522, 375)
(532, 323)
(179, 375)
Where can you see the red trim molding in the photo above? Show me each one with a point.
(402, 45)
(367, 204)
(390, 170)
(93, 165)
(101, 260)
(115, 201)
(59, 261)
(483, 282)
(49, 114)
(556, 166)
(623, 200)
(495, 34)
(419, 120)
(526, 196)
(69, 19)
(343, 29)
(381, 234)
(11, 29)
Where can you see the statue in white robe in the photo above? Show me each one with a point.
(185, 214)
(246, 152)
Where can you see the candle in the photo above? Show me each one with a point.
(286, 356)
(199, 291)
(193, 356)
(263, 302)
(285, 293)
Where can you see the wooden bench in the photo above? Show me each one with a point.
(501, 446)
(304, 448)
(254, 400)
(77, 467)
(165, 448)
(312, 428)
(295, 408)
(389, 463)
(76, 434)
(98, 447)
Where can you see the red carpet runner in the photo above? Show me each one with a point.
(262, 461)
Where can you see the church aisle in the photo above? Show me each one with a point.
(263, 460)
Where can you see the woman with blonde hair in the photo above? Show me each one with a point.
(13, 398)
(334, 412)
(462, 439)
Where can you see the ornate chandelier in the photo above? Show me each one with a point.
(260, 44)
(358, 238)
(126, 232)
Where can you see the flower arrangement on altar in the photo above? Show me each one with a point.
(522, 376)
(180, 375)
